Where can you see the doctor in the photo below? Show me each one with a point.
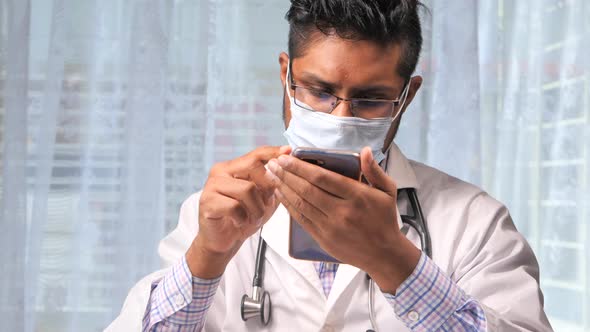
(347, 81)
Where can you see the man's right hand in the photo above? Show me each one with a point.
(238, 198)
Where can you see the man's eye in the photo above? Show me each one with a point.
(366, 103)
(373, 97)
(320, 94)
(371, 104)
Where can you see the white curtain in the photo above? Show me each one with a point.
(111, 113)
(506, 105)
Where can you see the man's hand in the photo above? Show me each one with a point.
(237, 199)
(354, 222)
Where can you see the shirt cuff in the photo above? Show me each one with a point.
(428, 298)
(179, 298)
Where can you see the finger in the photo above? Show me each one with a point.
(243, 191)
(296, 215)
(251, 166)
(255, 160)
(224, 207)
(266, 153)
(375, 175)
(263, 156)
(334, 183)
(319, 198)
(298, 203)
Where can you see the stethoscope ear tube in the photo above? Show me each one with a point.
(259, 267)
(418, 222)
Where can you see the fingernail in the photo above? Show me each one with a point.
(283, 160)
(272, 165)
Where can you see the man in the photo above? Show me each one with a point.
(347, 80)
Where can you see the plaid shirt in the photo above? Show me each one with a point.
(327, 273)
(427, 301)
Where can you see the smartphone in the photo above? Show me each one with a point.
(346, 163)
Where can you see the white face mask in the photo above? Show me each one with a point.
(327, 131)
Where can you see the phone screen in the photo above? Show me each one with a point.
(346, 163)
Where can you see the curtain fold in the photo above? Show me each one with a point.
(112, 112)
(14, 298)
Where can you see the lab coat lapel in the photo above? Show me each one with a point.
(344, 277)
(399, 169)
(276, 234)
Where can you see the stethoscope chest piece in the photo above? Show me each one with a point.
(256, 306)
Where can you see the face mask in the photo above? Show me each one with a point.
(327, 131)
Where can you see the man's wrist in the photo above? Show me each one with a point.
(205, 264)
(396, 266)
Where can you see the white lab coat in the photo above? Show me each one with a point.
(474, 242)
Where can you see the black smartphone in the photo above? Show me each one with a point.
(346, 163)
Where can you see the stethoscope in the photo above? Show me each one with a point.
(259, 304)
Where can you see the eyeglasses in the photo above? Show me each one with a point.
(320, 101)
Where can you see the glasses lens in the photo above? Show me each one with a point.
(372, 109)
(314, 100)
(320, 101)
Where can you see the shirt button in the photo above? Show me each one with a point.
(413, 316)
(179, 300)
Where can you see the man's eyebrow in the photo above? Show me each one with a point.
(313, 79)
(382, 90)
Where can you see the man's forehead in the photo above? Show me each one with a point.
(358, 61)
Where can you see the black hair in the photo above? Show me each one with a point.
(384, 22)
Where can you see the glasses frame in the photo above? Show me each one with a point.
(394, 102)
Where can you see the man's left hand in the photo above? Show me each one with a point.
(354, 222)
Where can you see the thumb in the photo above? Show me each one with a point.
(375, 175)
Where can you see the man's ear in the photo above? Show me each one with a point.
(283, 62)
(415, 84)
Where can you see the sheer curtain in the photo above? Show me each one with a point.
(111, 113)
(506, 105)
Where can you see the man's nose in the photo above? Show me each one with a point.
(343, 108)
